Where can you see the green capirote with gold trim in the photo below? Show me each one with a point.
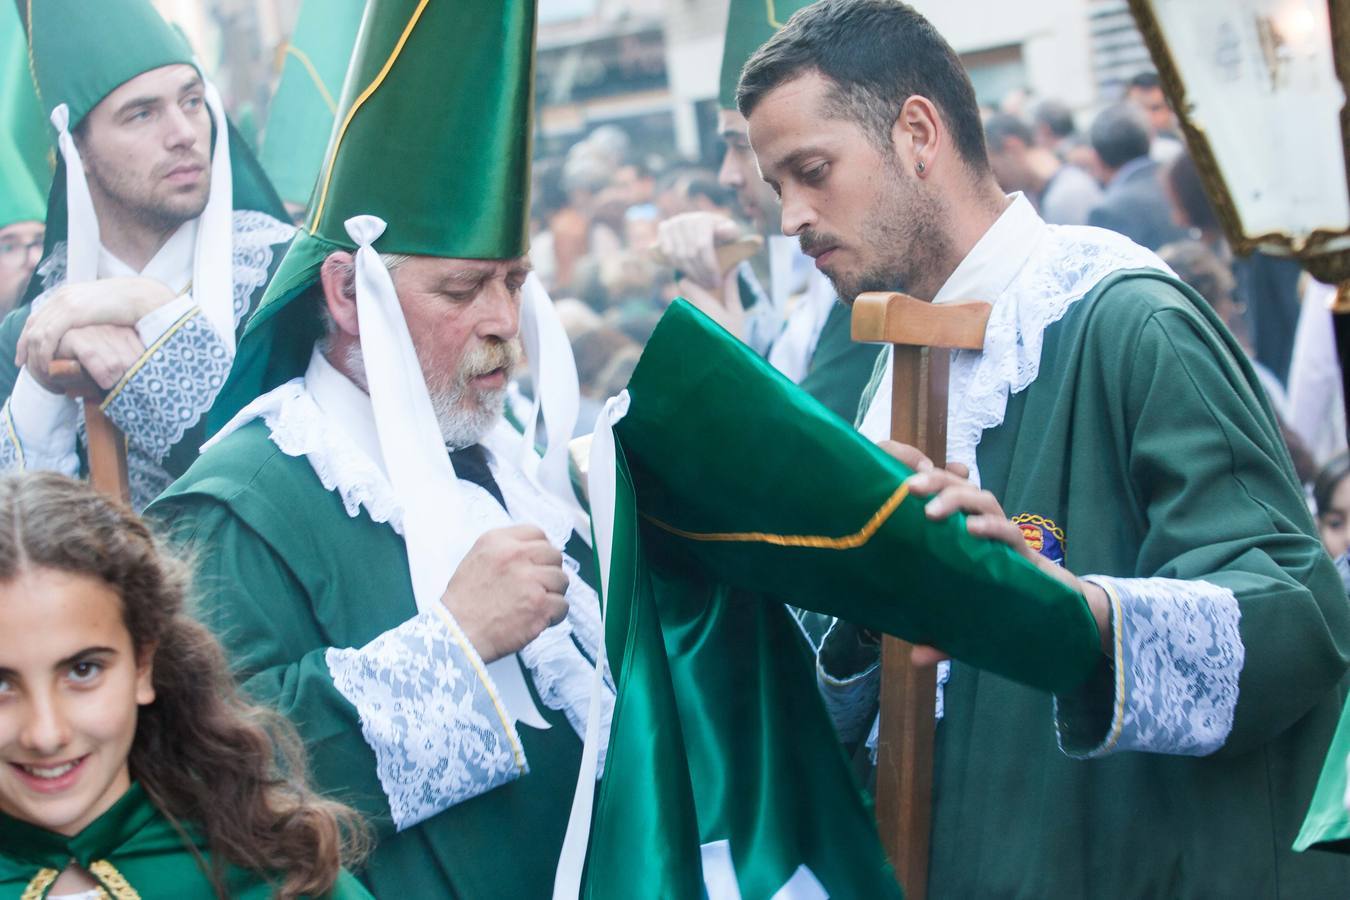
(25, 151)
(750, 24)
(80, 52)
(313, 65)
(433, 136)
(133, 851)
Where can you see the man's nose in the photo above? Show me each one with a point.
(180, 129)
(500, 310)
(797, 214)
(730, 174)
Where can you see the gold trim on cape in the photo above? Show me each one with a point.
(37, 888)
(819, 542)
(112, 880)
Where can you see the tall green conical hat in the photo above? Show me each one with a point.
(80, 52)
(750, 24)
(25, 166)
(301, 116)
(432, 136)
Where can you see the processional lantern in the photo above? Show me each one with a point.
(1258, 87)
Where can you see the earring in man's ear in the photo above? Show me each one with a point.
(920, 167)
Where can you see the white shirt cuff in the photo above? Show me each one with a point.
(152, 327)
(44, 422)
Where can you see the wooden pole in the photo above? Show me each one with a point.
(107, 445)
(923, 335)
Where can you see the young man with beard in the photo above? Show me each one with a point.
(1111, 424)
(388, 562)
(793, 318)
(162, 232)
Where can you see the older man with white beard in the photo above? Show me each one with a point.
(386, 559)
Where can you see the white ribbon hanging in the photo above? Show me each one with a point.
(602, 489)
(213, 262)
(556, 393)
(82, 237)
(415, 458)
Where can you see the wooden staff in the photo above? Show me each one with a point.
(107, 445)
(923, 334)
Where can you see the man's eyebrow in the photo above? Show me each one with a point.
(193, 84)
(793, 159)
(136, 103)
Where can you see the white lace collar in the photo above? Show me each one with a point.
(1032, 273)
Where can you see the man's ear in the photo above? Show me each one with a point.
(338, 277)
(917, 134)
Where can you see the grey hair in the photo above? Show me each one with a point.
(346, 272)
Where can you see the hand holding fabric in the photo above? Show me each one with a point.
(951, 492)
(508, 589)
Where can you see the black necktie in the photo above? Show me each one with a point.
(471, 465)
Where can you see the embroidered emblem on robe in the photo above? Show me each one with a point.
(1042, 535)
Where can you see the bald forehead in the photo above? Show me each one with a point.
(466, 273)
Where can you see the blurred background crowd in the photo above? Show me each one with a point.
(626, 138)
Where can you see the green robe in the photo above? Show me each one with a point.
(1104, 445)
(839, 367)
(287, 574)
(132, 849)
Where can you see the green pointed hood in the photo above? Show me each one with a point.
(25, 150)
(82, 51)
(750, 24)
(433, 135)
(301, 115)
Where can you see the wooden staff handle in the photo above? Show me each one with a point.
(923, 334)
(729, 255)
(107, 444)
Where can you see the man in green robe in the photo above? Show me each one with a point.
(794, 318)
(24, 170)
(162, 232)
(387, 561)
(1111, 425)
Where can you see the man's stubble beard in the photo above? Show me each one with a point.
(161, 215)
(902, 236)
(463, 414)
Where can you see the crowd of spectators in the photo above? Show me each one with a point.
(596, 211)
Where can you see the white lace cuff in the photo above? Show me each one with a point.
(42, 428)
(431, 714)
(152, 327)
(1174, 686)
(172, 386)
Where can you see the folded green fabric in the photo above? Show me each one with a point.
(740, 473)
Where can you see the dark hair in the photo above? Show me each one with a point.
(1201, 268)
(1184, 180)
(703, 186)
(1001, 126)
(201, 753)
(1332, 474)
(878, 54)
(1144, 81)
(1119, 134)
(1055, 116)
